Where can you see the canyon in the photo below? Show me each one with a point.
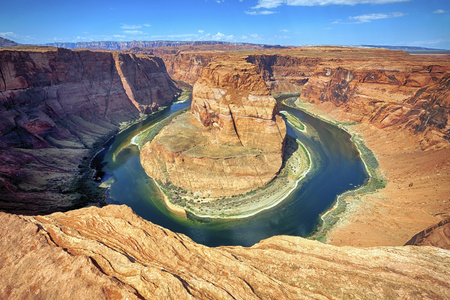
(58, 104)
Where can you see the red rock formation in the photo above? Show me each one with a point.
(284, 73)
(186, 66)
(437, 235)
(111, 253)
(59, 103)
(398, 92)
(390, 89)
(231, 97)
(237, 145)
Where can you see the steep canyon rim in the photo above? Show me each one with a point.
(122, 252)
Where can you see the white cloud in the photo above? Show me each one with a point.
(222, 37)
(126, 26)
(120, 36)
(275, 3)
(260, 12)
(440, 11)
(371, 17)
(83, 38)
(8, 34)
(133, 27)
(180, 37)
(269, 3)
(205, 36)
(133, 31)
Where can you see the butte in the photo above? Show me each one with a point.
(231, 142)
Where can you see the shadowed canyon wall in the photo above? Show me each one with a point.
(55, 104)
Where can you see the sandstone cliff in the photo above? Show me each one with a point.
(54, 105)
(186, 66)
(110, 253)
(284, 73)
(390, 89)
(437, 235)
(232, 142)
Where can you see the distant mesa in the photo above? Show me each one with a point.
(115, 45)
(232, 140)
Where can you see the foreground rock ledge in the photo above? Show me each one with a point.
(111, 253)
(230, 144)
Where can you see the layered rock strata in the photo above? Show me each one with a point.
(231, 142)
(390, 89)
(110, 253)
(54, 105)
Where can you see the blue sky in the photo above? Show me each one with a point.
(423, 23)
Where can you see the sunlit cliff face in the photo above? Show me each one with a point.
(232, 140)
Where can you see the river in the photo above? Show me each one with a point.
(337, 167)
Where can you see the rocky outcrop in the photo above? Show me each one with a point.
(231, 143)
(391, 90)
(54, 105)
(284, 73)
(110, 253)
(186, 66)
(437, 235)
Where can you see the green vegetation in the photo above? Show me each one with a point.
(375, 182)
(327, 222)
(185, 96)
(149, 134)
(83, 184)
(294, 121)
(296, 163)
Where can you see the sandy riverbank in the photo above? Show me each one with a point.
(416, 195)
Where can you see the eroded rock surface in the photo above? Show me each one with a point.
(110, 253)
(231, 142)
(437, 235)
(54, 105)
